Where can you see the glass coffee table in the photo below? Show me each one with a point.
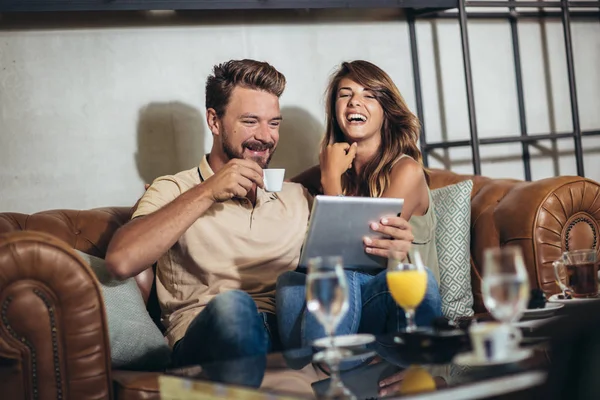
(417, 365)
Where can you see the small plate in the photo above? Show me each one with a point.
(346, 340)
(469, 359)
(555, 299)
(547, 311)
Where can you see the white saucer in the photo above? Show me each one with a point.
(547, 311)
(554, 298)
(346, 340)
(470, 360)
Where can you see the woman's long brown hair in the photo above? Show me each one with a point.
(399, 132)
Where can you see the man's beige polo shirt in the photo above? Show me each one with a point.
(233, 245)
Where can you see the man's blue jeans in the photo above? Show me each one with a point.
(371, 308)
(229, 339)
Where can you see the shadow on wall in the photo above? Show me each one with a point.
(170, 139)
(299, 138)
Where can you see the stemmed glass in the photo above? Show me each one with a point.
(327, 299)
(505, 284)
(407, 283)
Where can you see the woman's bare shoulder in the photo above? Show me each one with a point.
(407, 170)
(408, 181)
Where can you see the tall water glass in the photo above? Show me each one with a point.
(505, 284)
(327, 298)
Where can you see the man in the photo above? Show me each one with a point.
(219, 238)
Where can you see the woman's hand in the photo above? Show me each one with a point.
(335, 160)
(400, 235)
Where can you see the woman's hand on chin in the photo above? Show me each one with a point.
(335, 160)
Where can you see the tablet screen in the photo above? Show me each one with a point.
(338, 225)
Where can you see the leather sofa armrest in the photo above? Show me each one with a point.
(53, 330)
(547, 217)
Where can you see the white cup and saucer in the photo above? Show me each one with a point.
(493, 343)
(273, 179)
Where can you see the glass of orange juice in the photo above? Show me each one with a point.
(407, 283)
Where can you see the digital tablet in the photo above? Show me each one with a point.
(338, 224)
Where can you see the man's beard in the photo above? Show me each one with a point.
(248, 144)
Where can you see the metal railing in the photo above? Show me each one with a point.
(513, 12)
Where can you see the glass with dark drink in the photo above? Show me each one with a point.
(579, 271)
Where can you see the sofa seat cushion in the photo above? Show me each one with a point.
(131, 385)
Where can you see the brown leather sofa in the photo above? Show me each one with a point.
(53, 332)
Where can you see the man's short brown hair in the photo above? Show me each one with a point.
(249, 74)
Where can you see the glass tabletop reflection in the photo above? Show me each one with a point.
(394, 365)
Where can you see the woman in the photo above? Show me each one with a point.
(369, 149)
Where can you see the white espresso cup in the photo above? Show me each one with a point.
(273, 178)
(492, 341)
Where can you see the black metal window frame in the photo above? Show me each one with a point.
(566, 14)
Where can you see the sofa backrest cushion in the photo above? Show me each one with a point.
(136, 342)
(453, 238)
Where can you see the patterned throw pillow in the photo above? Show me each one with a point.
(135, 341)
(453, 244)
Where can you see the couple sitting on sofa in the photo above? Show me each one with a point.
(224, 244)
